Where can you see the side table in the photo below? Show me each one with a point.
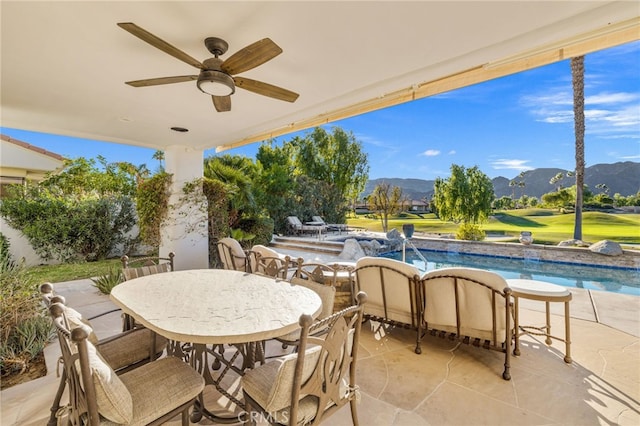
(547, 293)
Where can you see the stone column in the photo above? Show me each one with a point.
(185, 231)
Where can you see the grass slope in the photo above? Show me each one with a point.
(548, 227)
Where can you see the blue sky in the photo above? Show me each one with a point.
(504, 126)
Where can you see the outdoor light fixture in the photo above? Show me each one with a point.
(216, 83)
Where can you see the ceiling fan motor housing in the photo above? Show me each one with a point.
(213, 81)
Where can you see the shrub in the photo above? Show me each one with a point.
(260, 227)
(71, 229)
(470, 232)
(25, 326)
(5, 254)
(106, 282)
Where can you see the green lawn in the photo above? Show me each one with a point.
(71, 271)
(547, 226)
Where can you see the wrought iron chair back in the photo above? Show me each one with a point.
(392, 289)
(324, 372)
(143, 266)
(83, 364)
(470, 305)
(232, 256)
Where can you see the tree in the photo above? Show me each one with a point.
(277, 183)
(558, 199)
(236, 173)
(465, 197)
(577, 78)
(335, 158)
(504, 203)
(385, 200)
(557, 179)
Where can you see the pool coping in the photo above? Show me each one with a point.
(628, 260)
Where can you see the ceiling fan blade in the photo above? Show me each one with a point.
(158, 43)
(251, 56)
(161, 80)
(222, 103)
(265, 89)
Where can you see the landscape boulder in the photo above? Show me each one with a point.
(371, 247)
(606, 247)
(572, 243)
(395, 239)
(351, 250)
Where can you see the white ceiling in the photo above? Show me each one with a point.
(64, 64)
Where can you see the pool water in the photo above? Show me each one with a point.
(615, 280)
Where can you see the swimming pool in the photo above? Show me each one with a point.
(615, 280)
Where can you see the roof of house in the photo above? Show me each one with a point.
(19, 159)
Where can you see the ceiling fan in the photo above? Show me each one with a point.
(217, 77)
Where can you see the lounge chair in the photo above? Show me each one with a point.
(331, 226)
(296, 227)
(472, 305)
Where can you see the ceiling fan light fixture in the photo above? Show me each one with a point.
(216, 83)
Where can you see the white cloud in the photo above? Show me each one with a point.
(511, 164)
(431, 153)
(630, 157)
(610, 98)
(370, 140)
(452, 152)
(616, 112)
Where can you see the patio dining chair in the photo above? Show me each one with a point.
(471, 305)
(322, 273)
(266, 261)
(150, 394)
(327, 295)
(122, 352)
(231, 255)
(141, 267)
(310, 385)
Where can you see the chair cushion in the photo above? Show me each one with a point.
(76, 320)
(161, 386)
(112, 396)
(129, 347)
(476, 318)
(236, 251)
(270, 384)
(327, 294)
(397, 276)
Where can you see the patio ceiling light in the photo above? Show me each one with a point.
(216, 83)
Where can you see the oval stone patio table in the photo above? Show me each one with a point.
(216, 307)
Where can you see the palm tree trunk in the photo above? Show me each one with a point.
(577, 75)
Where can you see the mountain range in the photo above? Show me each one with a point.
(622, 178)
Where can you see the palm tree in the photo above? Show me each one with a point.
(577, 78)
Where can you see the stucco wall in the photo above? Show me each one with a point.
(19, 246)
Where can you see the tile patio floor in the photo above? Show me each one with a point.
(448, 384)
